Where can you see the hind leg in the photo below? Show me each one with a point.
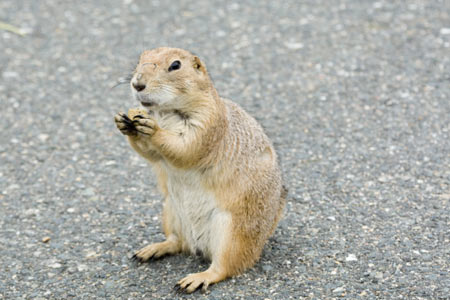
(171, 245)
(232, 251)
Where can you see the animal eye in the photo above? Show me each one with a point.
(175, 65)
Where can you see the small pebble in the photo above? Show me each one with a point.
(445, 31)
(351, 257)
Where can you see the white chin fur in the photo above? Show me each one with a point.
(159, 97)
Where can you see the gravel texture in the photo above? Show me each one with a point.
(354, 94)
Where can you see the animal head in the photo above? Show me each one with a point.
(169, 76)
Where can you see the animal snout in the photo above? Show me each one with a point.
(138, 86)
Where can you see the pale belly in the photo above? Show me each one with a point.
(198, 219)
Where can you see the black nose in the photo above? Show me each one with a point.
(139, 86)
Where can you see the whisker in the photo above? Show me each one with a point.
(123, 80)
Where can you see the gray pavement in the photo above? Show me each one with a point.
(354, 94)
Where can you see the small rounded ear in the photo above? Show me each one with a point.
(198, 65)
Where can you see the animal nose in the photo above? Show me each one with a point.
(138, 86)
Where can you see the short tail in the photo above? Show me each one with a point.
(282, 204)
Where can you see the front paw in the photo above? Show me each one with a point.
(125, 125)
(145, 125)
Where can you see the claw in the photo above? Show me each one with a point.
(204, 288)
(139, 259)
(186, 287)
(178, 289)
(181, 290)
(128, 123)
(125, 118)
(199, 287)
(134, 257)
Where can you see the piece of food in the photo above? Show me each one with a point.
(133, 112)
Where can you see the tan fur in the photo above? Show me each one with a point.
(216, 168)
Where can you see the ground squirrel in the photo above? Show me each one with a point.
(215, 166)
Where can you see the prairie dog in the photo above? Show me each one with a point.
(215, 166)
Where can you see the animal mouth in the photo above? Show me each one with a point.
(145, 100)
(148, 104)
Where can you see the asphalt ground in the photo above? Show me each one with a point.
(354, 94)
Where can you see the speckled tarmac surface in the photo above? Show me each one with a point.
(354, 94)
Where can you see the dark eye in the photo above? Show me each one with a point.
(175, 65)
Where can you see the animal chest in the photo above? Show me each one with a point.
(194, 208)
